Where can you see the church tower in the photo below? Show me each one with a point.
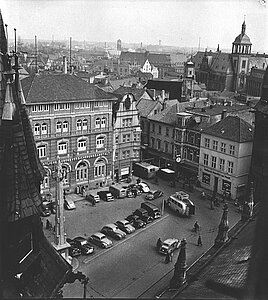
(241, 52)
(189, 80)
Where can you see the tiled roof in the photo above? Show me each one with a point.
(127, 81)
(140, 58)
(60, 88)
(231, 128)
(173, 87)
(167, 116)
(145, 106)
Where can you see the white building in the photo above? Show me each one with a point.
(225, 156)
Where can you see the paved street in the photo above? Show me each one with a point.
(132, 265)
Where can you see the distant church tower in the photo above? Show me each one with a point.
(119, 45)
(241, 52)
(189, 80)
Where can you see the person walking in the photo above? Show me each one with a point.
(168, 258)
(196, 227)
(199, 241)
(93, 202)
(158, 244)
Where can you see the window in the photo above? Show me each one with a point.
(117, 139)
(158, 144)
(103, 122)
(223, 147)
(222, 163)
(46, 107)
(232, 149)
(36, 129)
(215, 145)
(65, 126)
(153, 127)
(82, 172)
(126, 138)
(45, 183)
(136, 136)
(207, 142)
(205, 159)
(62, 147)
(79, 125)
(100, 168)
(167, 131)
(206, 178)
(44, 128)
(116, 156)
(213, 161)
(166, 147)
(159, 129)
(97, 123)
(100, 142)
(127, 122)
(58, 126)
(34, 108)
(152, 142)
(243, 64)
(82, 145)
(65, 171)
(230, 167)
(42, 149)
(84, 124)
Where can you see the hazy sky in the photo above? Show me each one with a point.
(174, 22)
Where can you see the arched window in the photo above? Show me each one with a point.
(79, 125)
(58, 126)
(36, 129)
(82, 171)
(100, 168)
(82, 144)
(100, 141)
(65, 126)
(84, 124)
(97, 123)
(103, 122)
(44, 128)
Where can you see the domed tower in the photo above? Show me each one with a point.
(189, 80)
(241, 52)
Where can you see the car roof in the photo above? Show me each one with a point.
(123, 221)
(110, 225)
(170, 240)
(79, 238)
(98, 234)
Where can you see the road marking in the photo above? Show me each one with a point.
(129, 236)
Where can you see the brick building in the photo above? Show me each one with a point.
(71, 119)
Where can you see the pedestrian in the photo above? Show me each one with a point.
(158, 244)
(211, 203)
(93, 202)
(199, 241)
(47, 224)
(203, 195)
(168, 258)
(196, 227)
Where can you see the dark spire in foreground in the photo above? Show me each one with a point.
(179, 277)
(222, 236)
(3, 40)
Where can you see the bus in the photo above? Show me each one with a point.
(144, 170)
(181, 203)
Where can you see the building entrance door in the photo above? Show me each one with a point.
(215, 188)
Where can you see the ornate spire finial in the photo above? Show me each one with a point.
(3, 40)
(222, 236)
(9, 105)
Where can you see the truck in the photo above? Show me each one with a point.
(144, 170)
(118, 191)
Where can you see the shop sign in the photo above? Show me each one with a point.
(124, 171)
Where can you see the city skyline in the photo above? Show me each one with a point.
(181, 23)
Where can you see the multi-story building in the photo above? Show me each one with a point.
(254, 82)
(71, 119)
(127, 132)
(225, 156)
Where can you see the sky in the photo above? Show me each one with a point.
(182, 23)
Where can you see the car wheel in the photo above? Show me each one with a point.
(103, 246)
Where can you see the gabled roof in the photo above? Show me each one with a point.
(124, 90)
(167, 116)
(60, 88)
(173, 87)
(145, 106)
(231, 128)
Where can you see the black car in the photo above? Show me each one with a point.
(143, 215)
(83, 245)
(136, 221)
(136, 189)
(73, 250)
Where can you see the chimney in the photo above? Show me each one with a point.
(223, 114)
(64, 65)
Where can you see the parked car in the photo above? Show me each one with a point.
(106, 195)
(136, 221)
(125, 226)
(69, 204)
(113, 231)
(45, 212)
(154, 194)
(73, 250)
(143, 215)
(83, 245)
(100, 240)
(92, 197)
(136, 188)
(130, 194)
(169, 245)
(145, 187)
